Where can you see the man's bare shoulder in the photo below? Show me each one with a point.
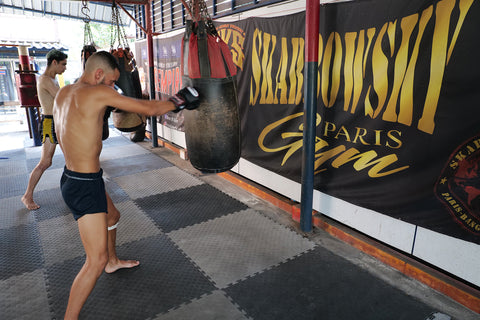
(87, 95)
(64, 90)
(44, 80)
(84, 88)
(99, 93)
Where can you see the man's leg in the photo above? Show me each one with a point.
(114, 263)
(93, 232)
(48, 149)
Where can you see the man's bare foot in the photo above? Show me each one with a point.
(120, 264)
(29, 203)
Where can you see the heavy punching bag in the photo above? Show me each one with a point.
(212, 131)
(129, 83)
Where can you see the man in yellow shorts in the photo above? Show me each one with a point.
(47, 88)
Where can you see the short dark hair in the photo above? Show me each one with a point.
(55, 54)
(108, 58)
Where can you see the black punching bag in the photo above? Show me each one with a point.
(212, 131)
(129, 83)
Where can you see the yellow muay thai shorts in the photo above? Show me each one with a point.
(48, 129)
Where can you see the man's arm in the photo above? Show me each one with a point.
(184, 99)
(48, 84)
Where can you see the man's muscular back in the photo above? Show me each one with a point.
(78, 114)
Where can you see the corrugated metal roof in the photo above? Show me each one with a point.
(33, 44)
(98, 11)
(9, 50)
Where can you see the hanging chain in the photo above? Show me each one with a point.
(122, 29)
(87, 32)
(87, 35)
(113, 34)
(117, 32)
(202, 14)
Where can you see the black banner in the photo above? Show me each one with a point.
(398, 118)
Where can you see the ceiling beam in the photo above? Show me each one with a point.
(122, 1)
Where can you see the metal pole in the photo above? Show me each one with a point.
(149, 22)
(310, 110)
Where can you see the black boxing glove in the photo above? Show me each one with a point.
(187, 98)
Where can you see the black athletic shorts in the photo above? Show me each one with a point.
(83, 193)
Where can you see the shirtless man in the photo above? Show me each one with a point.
(47, 88)
(78, 112)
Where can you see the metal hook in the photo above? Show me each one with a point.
(85, 10)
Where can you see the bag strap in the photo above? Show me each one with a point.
(202, 41)
(185, 50)
(225, 64)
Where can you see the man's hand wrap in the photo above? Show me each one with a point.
(187, 98)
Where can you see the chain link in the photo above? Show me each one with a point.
(87, 35)
(202, 14)
(87, 32)
(117, 32)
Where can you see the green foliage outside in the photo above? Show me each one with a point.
(103, 33)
